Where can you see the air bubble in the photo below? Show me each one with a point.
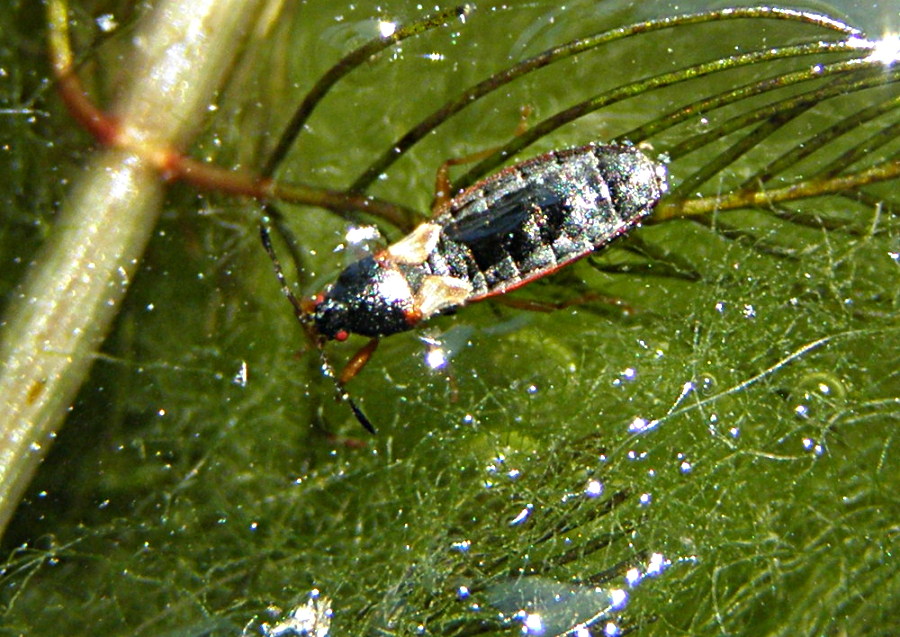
(107, 22)
(706, 383)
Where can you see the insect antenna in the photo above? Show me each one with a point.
(304, 316)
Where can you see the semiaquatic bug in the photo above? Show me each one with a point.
(521, 224)
(516, 226)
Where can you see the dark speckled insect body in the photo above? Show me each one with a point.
(518, 225)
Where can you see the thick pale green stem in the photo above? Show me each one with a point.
(62, 311)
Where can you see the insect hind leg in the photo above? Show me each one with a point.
(442, 184)
(588, 298)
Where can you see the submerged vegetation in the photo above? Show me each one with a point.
(703, 443)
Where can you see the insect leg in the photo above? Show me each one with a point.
(302, 310)
(442, 185)
(550, 306)
(358, 361)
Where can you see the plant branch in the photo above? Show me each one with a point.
(64, 308)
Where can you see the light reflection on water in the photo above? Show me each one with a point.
(546, 607)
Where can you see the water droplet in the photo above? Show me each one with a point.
(533, 624)
(593, 489)
(523, 515)
(633, 576)
(462, 546)
(618, 599)
(641, 425)
(813, 446)
(658, 563)
(386, 29)
(241, 377)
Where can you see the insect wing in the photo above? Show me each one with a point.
(503, 217)
(537, 216)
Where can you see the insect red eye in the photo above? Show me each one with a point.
(341, 335)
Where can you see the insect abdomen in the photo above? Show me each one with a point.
(537, 216)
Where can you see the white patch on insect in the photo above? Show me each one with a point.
(440, 292)
(394, 287)
(603, 196)
(414, 248)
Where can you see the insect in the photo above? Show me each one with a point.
(521, 224)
